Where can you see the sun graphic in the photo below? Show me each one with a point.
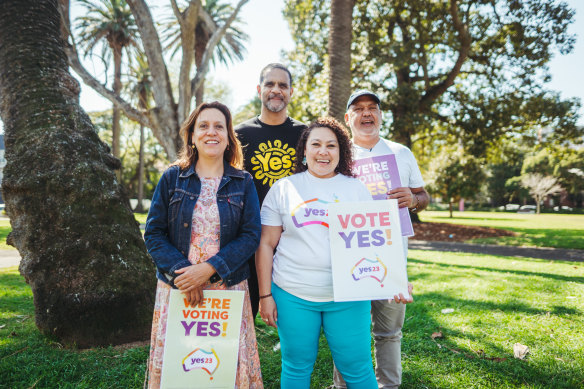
(272, 162)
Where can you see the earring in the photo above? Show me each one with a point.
(304, 161)
(193, 147)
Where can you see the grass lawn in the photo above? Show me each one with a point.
(4, 231)
(543, 230)
(141, 217)
(497, 302)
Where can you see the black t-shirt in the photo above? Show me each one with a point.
(269, 152)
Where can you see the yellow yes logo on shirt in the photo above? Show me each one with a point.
(272, 162)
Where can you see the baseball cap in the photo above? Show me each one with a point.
(359, 93)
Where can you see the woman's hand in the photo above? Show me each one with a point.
(269, 311)
(402, 299)
(264, 260)
(194, 296)
(193, 277)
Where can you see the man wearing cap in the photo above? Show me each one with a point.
(269, 143)
(363, 116)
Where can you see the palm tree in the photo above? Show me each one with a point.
(109, 21)
(339, 50)
(229, 50)
(82, 252)
(141, 88)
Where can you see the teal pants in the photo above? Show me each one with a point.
(346, 326)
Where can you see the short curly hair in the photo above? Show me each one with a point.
(345, 166)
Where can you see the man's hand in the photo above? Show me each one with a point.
(404, 196)
(403, 300)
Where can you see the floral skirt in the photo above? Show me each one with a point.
(249, 374)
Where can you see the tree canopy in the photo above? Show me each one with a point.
(473, 69)
(455, 175)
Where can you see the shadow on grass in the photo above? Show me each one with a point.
(555, 238)
(29, 359)
(444, 363)
(442, 300)
(557, 277)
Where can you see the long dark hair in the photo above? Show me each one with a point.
(345, 165)
(188, 155)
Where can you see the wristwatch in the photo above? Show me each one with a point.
(214, 278)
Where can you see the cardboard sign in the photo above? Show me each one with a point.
(367, 254)
(202, 342)
(380, 175)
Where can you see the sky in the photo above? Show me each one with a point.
(270, 35)
(566, 70)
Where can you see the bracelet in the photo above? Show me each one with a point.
(415, 207)
(265, 296)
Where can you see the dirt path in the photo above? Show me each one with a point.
(9, 258)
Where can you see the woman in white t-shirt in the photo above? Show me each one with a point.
(295, 283)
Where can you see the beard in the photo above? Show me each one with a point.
(274, 105)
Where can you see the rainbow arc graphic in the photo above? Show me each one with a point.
(201, 359)
(369, 268)
(299, 224)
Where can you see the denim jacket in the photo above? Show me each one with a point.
(168, 228)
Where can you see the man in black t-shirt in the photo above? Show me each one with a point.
(269, 143)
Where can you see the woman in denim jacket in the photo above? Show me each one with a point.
(202, 226)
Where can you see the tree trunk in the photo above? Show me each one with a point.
(140, 206)
(82, 253)
(339, 50)
(450, 207)
(200, 46)
(166, 124)
(200, 94)
(116, 110)
(188, 22)
(403, 127)
(404, 109)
